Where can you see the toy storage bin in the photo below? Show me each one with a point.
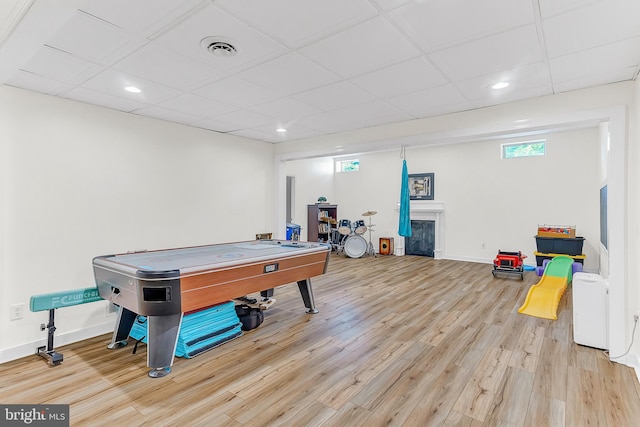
(556, 231)
(540, 257)
(293, 232)
(559, 245)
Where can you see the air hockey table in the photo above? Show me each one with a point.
(165, 284)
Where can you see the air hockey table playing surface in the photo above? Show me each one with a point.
(165, 284)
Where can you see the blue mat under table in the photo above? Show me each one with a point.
(200, 331)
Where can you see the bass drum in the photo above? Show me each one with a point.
(355, 246)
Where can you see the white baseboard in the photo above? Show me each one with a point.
(31, 348)
(632, 360)
(468, 259)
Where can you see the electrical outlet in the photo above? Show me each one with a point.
(16, 311)
(484, 246)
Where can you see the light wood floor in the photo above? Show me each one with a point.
(398, 341)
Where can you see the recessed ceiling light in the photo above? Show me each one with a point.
(132, 89)
(500, 85)
(281, 130)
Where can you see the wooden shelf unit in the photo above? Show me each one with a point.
(319, 230)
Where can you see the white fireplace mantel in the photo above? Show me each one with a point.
(425, 206)
(424, 210)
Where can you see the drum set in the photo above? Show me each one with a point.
(347, 237)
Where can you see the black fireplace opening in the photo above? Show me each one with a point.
(423, 238)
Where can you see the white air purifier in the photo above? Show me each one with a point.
(590, 310)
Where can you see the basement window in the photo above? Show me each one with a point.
(351, 165)
(523, 149)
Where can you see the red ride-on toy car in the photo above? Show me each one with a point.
(509, 263)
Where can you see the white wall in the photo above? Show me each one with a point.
(633, 235)
(488, 200)
(79, 181)
(313, 178)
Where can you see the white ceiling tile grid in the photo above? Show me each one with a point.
(249, 67)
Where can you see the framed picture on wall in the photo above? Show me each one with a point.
(421, 186)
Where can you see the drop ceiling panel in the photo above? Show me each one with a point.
(245, 119)
(138, 16)
(236, 91)
(167, 114)
(61, 66)
(425, 111)
(595, 25)
(256, 134)
(93, 39)
(37, 83)
(417, 104)
(113, 82)
(549, 8)
(390, 4)
(335, 96)
(595, 80)
(284, 110)
(510, 96)
(326, 123)
(597, 61)
(294, 131)
(28, 33)
(253, 47)
(304, 21)
(373, 112)
(168, 68)
(491, 54)
(368, 46)
(398, 79)
(519, 79)
(102, 99)
(436, 24)
(289, 74)
(215, 125)
(198, 106)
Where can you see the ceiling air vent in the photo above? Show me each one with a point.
(219, 46)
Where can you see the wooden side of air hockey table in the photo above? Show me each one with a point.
(213, 286)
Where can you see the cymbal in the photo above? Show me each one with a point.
(369, 213)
